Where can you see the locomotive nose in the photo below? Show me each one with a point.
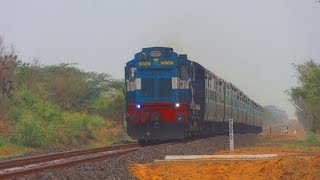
(155, 117)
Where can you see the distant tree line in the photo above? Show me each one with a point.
(65, 85)
(273, 115)
(306, 95)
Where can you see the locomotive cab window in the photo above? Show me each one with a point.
(184, 72)
(132, 74)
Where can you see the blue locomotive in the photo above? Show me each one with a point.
(171, 97)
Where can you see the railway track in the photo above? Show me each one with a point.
(29, 165)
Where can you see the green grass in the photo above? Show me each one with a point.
(8, 149)
(310, 141)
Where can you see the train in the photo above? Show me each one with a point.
(169, 96)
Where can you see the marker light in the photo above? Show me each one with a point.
(138, 106)
(143, 56)
(177, 105)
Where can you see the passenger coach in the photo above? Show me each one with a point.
(171, 97)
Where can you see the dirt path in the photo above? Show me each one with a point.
(293, 162)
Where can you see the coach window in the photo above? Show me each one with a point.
(213, 84)
(184, 72)
(227, 91)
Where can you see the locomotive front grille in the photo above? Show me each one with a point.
(147, 87)
(165, 87)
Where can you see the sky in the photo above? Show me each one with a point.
(251, 44)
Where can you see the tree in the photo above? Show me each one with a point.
(271, 114)
(28, 74)
(72, 88)
(306, 96)
(110, 106)
(8, 76)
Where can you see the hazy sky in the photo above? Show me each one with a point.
(249, 43)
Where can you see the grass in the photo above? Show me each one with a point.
(8, 149)
(311, 140)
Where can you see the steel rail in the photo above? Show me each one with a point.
(22, 163)
(54, 156)
(26, 171)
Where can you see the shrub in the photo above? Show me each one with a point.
(108, 106)
(80, 127)
(31, 133)
(38, 107)
(35, 120)
(312, 140)
(50, 112)
(14, 114)
(4, 140)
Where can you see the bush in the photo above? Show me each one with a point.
(112, 107)
(4, 140)
(33, 105)
(35, 120)
(80, 127)
(38, 122)
(32, 133)
(14, 114)
(312, 140)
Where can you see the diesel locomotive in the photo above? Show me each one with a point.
(169, 96)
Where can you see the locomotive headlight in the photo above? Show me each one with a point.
(138, 106)
(177, 105)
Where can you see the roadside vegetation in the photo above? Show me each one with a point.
(56, 106)
(311, 140)
(306, 95)
(306, 99)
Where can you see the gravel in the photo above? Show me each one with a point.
(117, 168)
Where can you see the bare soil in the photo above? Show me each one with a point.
(293, 162)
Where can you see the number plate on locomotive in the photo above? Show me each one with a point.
(144, 64)
(166, 63)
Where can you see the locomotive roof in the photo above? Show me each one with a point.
(157, 48)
